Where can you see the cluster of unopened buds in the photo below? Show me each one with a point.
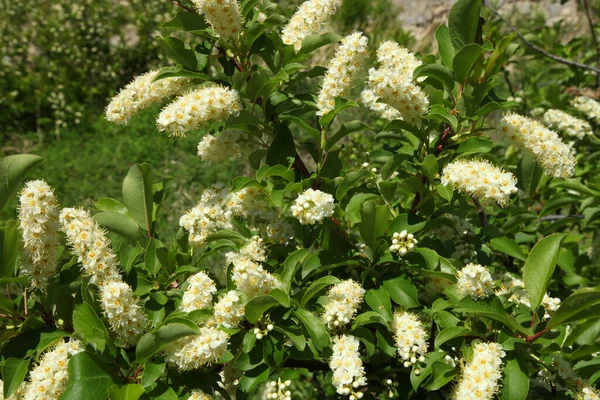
(261, 333)
(392, 386)
(402, 242)
(278, 390)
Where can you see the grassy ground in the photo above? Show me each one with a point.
(89, 163)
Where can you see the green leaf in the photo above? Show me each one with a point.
(345, 130)
(126, 392)
(402, 291)
(491, 308)
(89, 378)
(508, 246)
(475, 145)
(317, 286)
(315, 327)
(258, 305)
(430, 167)
(151, 373)
(10, 249)
(374, 223)
(445, 47)
(186, 21)
(290, 267)
(283, 147)
(90, 327)
(582, 304)
(370, 317)
(179, 71)
(13, 170)
(13, 374)
(351, 180)
(313, 42)
(450, 333)
(465, 60)
(340, 105)
(278, 170)
(153, 256)
(379, 301)
(463, 22)
(137, 196)
(440, 113)
(438, 72)
(110, 204)
(153, 342)
(515, 382)
(177, 51)
(119, 224)
(539, 267)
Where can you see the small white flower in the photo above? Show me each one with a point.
(199, 395)
(229, 310)
(216, 149)
(123, 312)
(480, 376)
(223, 15)
(347, 367)
(341, 303)
(474, 280)
(410, 337)
(589, 107)
(402, 242)
(199, 293)
(563, 122)
(311, 17)
(193, 352)
(313, 206)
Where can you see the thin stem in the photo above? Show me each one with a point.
(481, 211)
(179, 4)
(539, 49)
(588, 14)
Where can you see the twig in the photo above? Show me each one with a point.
(179, 4)
(481, 211)
(588, 14)
(539, 49)
(448, 133)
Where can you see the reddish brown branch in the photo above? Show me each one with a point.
(179, 4)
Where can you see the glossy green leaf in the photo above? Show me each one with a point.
(463, 22)
(450, 333)
(379, 301)
(508, 246)
(177, 51)
(445, 47)
(315, 327)
(515, 382)
(153, 342)
(152, 371)
(475, 145)
(137, 196)
(14, 371)
(465, 60)
(126, 392)
(582, 304)
(402, 291)
(10, 249)
(258, 305)
(90, 327)
(88, 378)
(317, 286)
(374, 222)
(539, 267)
(13, 169)
(351, 180)
(491, 308)
(119, 224)
(438, 72)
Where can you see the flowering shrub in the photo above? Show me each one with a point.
(427, 271)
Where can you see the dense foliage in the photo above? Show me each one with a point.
(421, 263)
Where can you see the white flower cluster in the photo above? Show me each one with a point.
(585, 390)
(254, 250)
(588, 393)
(480, 376)
(199, 395)
(589, 107)
(229, 311)
(341, 303)
(248, 202)
(197, 351)
(199, 293)
(223, 15)
(347, 367)
(476, 281)
(252, 279)
(278, 390)
(480, 179)
(563, 122)
(123, 312)
(49, 378)
(516, 288)
(141, 93)
(216, 149)
(313, 206)
(197, 107)
(402, 242)
(370, 99)
(38, 219)
(410, 337)
(208, 216)
(341, 71)
(89, 242)
(556, 157)
(311, 17)
(392, 82)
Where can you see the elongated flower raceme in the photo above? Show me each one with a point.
(347, 367)
(208, 216)
(563, 122)
(215, 149)
(474, 280)
(38, 219)
(410, 337)
(342, 303)
(310, 19)
(313, 206)
(123, 312)
(223, 15)
(393, 85)
(589, 107)
(198, 293)
(544, 145)
(370, 99)
(49, 378)
(252, 279)
(193, 352)
(480, 376)
(89, 242)
(141, 93)
(480, 179)
(229, 310)
(341, 71)
(200, 106)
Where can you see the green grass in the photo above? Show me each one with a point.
(87, 164)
